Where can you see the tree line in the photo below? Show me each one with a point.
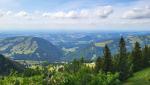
(124, 62)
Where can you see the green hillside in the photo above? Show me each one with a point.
(139, 78)
(29, 48)
(102, 44)
(7, 65)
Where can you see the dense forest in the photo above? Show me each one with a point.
(105, 70)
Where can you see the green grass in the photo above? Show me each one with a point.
(139, 78)
(102, 44)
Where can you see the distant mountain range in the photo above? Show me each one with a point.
(30, 48)
(94, 48)
(55, 47)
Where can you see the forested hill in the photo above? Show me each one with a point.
(7, 66)
(29, 48)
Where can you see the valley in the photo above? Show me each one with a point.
(65, 46)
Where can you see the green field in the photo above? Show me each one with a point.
(139, 78)
(102, 44)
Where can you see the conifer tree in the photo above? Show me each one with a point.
(75, 65)
(107, 66)
(98, 64)
(82, 60)
(149, 55)
(137, 58)
(146, 56)
(122, 61)
(130, 64)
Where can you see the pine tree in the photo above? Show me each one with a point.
(146, 56)
(98, 64)
(82, 60)
(75, 65)
(130, 64)
(122, 61)
(137, 58)
(107, 66)
(149, 55)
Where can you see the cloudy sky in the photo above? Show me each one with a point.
(75, 14)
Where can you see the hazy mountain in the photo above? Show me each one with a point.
(87, 51)
(29, 48)
(52, 46)
(95, 48)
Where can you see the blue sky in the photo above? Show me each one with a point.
(53, 5)
(75, 14)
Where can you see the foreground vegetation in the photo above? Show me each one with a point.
(76, 73)
(107, 70)
(139, 78)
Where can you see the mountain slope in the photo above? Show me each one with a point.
(29, 48)
(89, 51)
(139, 78)
(6, 66)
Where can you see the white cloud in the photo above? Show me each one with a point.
(138, 13)
(9, 13)
(72, 14)
(46, 14)
(5, 13)
(1, 13)
(85, 13)
(92, 17)
(98, 12)
(58, 15)
(22, 14)
(104, 12)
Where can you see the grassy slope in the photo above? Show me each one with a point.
(139, 78)
(102, 44)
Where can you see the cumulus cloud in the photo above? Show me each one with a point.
(46, 14)
(5, 13)
(104, 12)
(8, 13)
(72, 14)
(2, 13)
(58, 15)
(138, 13)
(98, 12)
(22, 14)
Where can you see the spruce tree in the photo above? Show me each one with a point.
(75, 65)
(130, 64)
(146, 56)
(137, 58)
(82, 60)
(122, 61)
(149, 55)
(107, 66)
(98, 64)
